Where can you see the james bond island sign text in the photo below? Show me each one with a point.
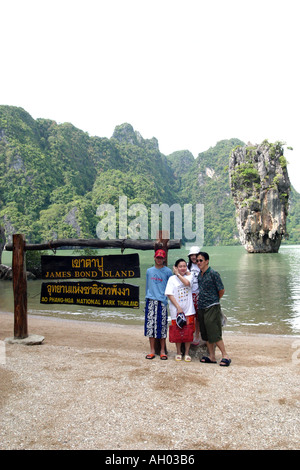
(93, 294)
(93, 267)
(97, 294)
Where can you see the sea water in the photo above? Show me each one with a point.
(262, 291)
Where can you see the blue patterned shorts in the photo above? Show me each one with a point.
(156, 319)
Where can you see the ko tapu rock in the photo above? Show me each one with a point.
(260, 187)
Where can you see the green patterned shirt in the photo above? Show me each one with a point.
(209, 286)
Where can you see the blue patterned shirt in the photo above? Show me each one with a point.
(156, 281)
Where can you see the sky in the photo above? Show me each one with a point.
(190, 73)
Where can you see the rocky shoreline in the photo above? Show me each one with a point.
(6, 273)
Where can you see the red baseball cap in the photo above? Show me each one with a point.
(160, 253)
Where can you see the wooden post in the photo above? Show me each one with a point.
(19, 287)
(162, 242)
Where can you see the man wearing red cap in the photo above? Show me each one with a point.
(156, 310)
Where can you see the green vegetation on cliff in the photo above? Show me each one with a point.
(54, 176)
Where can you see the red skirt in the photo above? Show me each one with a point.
(182, 335)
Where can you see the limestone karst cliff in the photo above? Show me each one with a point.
(54, 176)
(260, 187)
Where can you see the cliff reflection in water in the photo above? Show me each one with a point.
(265, 296)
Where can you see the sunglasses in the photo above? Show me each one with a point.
(200, 260)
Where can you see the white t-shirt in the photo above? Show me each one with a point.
(195, 270)
(182, 294)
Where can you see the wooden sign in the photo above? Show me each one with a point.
(90, 267)
(92, 294)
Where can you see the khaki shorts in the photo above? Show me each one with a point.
(210, 321)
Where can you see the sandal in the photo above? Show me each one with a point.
(207, 360)
(225, 362)
(163, 357)
(178, 357)
(150, 356)
(187, 358)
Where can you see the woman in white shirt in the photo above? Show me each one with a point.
(179, 293)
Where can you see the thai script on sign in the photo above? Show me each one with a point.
(90, 293)
(82, 288)
(96, 263)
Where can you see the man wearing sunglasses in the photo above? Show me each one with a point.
(211, 290)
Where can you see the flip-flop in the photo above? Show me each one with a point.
(225, 362)
(207, 360)
(163, 357)
(150, 356)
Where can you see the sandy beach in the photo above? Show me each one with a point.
(89, 386)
